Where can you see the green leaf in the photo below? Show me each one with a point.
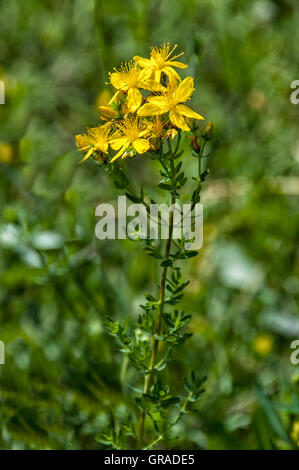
(134, 198)
(166, 262)
(271, 414)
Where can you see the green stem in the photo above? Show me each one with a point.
(123, 370)
(157, 332)
(155, 341)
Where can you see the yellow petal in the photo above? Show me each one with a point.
(175, 63)
(144, 74)
(90, 151)
(171, 73)
(82, 141)
(184, 90)
(118, 142)
(173, 82)
(116, 78)
(186, 111)
(107, 126)
(119, 154)
(157, 76)
(177, 119)
(161, 102)
(142, 62)
(150, 109)
(141, 145)
(104, 146)
(154, 86)
(134, 99)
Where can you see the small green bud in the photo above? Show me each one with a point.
(132, 153)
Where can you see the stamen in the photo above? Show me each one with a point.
(173, 49)
(176, 56)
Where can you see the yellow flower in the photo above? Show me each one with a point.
(171, 101)
(96, 140)
(161, 61)
(6, 153)
(132, 132)
(158, 128)
(128, 79)
(263, 344)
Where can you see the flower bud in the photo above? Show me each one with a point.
(208, 133)
(172, 132)
(101, 157)
(195, 144)
(107, 112)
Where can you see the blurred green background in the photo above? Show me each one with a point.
(58, 282)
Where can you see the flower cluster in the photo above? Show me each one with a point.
(147, 106)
